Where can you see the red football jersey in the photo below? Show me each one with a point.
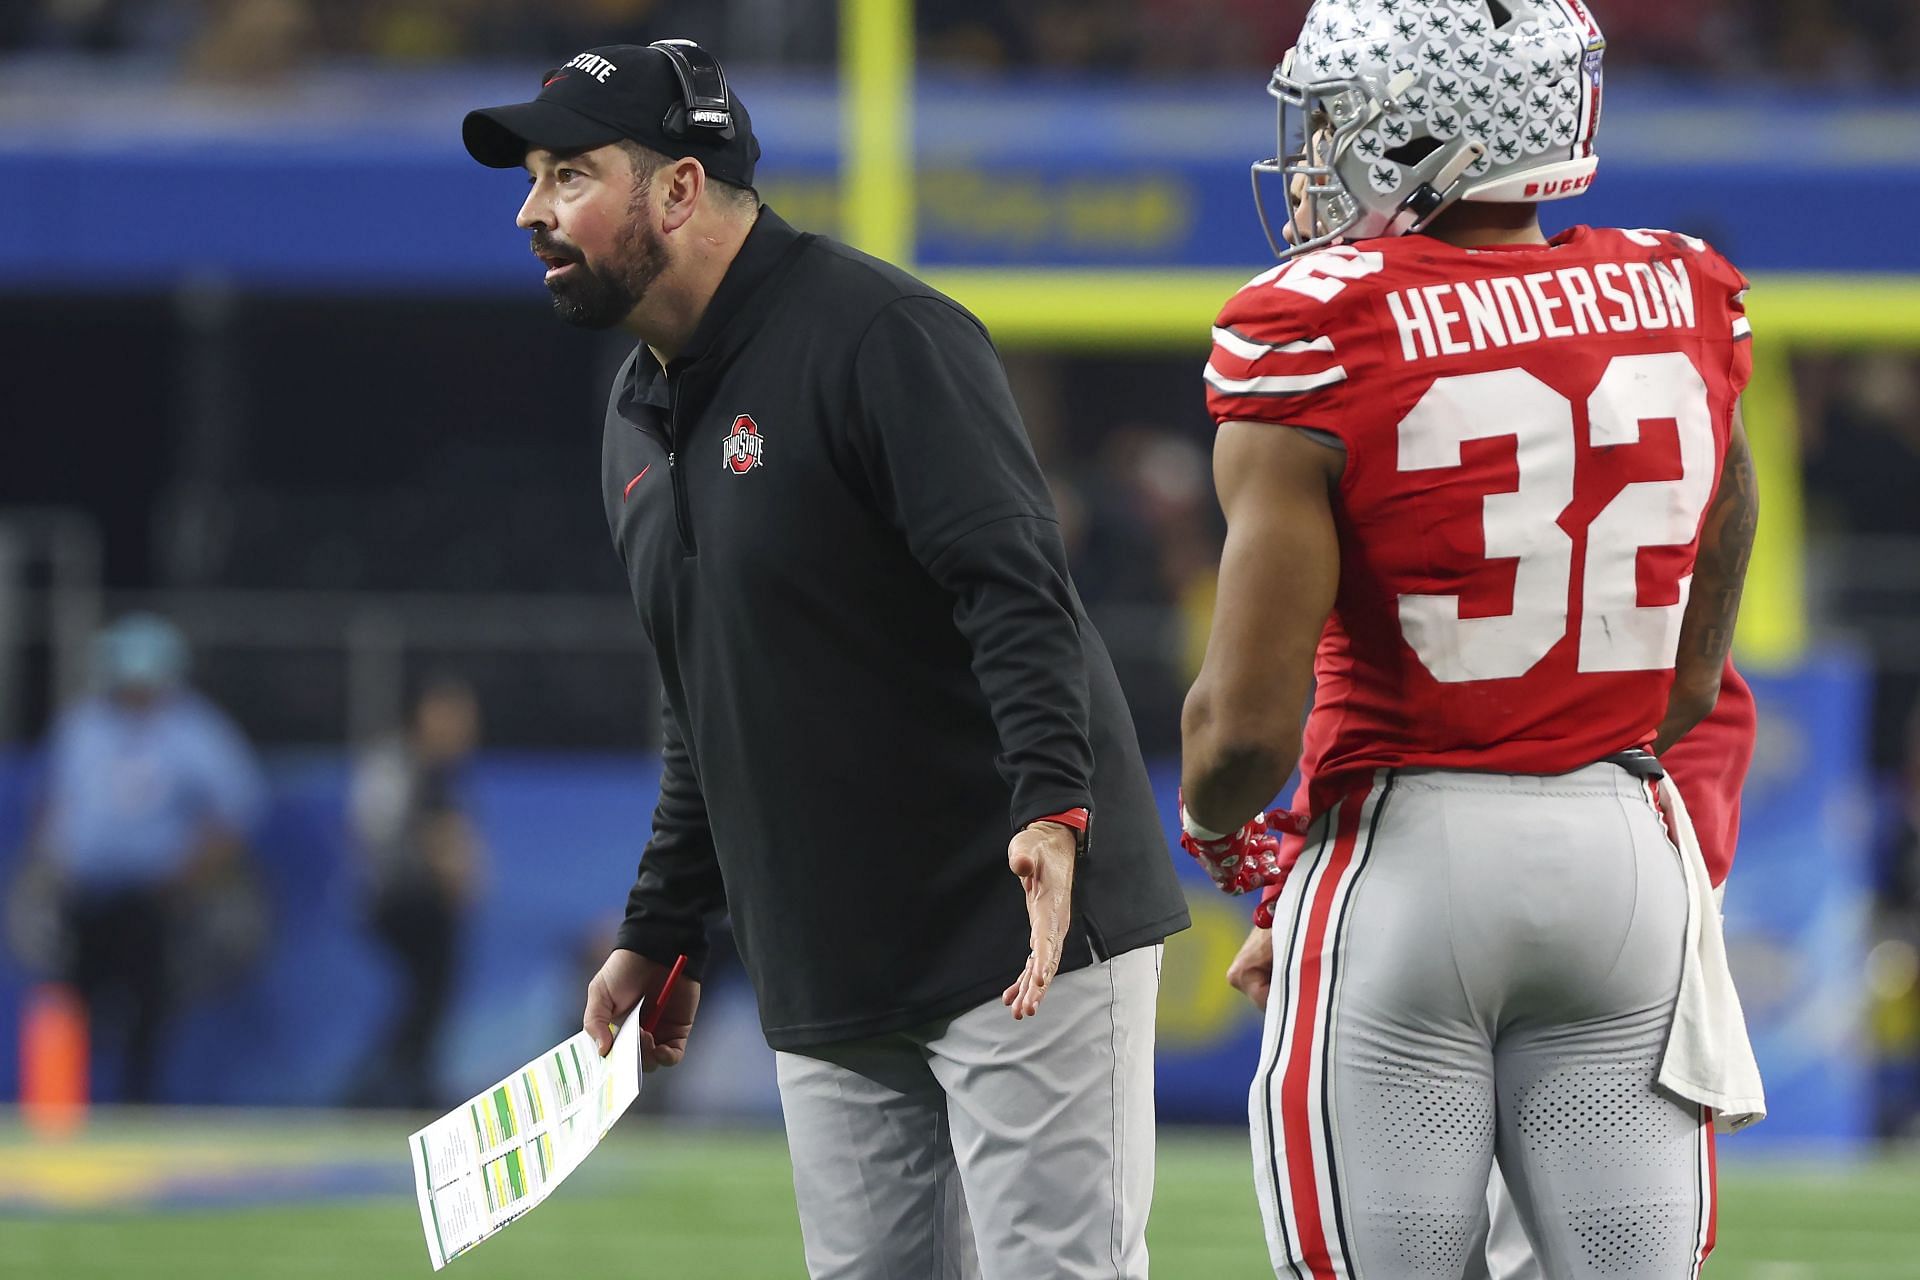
(1533, 435)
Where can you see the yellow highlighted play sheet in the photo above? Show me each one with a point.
(498, 1154)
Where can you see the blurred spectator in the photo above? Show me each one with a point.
(1859, 417)
(1186, 35)
(422, 860)
(1814, 38)
(442, 30)
(255, 39)
(969, 33)
(151, 794)
(99, 26)
(252, 41)
(1144, 538)
(1862, 444)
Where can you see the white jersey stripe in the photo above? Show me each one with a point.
(1742, 327)
(1275, 385)
(1247, 349)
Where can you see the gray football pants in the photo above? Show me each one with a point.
(1507, 1254)
(980, 1147)
(1469, 966)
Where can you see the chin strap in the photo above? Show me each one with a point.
(1430, 199)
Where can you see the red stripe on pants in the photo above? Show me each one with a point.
(1712, 1187)
(1296, 1106)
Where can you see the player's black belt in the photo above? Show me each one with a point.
(1643, 765)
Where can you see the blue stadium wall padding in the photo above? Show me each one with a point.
(563, 834)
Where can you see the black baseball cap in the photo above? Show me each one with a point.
(670, 96)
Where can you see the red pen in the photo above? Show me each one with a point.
(652, 1018)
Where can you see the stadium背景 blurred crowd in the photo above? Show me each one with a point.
(1856, 40)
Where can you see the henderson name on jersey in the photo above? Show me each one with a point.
(1533, 435)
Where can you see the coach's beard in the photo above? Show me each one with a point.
(591, 297)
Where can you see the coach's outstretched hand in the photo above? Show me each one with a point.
(1042, 856)
(1251, 973)
(623, 981)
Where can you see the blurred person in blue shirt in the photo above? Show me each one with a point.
(150, 795)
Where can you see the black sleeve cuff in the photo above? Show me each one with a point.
(1029, 810)
(663, 942)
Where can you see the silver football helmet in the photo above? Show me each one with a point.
(1391, 110)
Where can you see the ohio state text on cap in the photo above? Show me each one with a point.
(673, 100)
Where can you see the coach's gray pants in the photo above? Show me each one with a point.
(1470, 964)
(978, 1146)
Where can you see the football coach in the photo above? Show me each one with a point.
(894, 747)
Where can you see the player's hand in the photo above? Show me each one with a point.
(1246, 860)
(623, 981)
(1043, 857)
(1251, 973)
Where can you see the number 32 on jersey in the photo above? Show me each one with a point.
(1617, 633)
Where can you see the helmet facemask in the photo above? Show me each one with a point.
(1325, 129)
(1312, 122)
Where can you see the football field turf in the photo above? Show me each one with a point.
(258, 1197)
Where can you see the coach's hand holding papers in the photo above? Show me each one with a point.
(622, 983)
(485, 1163)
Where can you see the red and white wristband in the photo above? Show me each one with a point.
(1075, 818)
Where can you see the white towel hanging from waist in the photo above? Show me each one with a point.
(1709, 1058)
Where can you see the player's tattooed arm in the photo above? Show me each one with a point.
(1240, 730)
(1719, 572)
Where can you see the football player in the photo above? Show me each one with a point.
(1488, 495)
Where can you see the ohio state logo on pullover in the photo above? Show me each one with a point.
(741, 449)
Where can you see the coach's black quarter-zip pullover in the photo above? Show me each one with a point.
(875, 666)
